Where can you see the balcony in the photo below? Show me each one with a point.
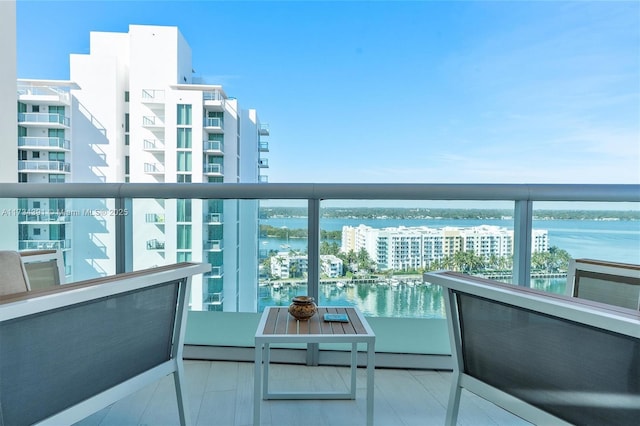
(44, 244)
(214, 299)
(155, 245)
(213, 245)
(263, 163)
(152, 96)
(154, 168)
(154, 146)
(263, 146)
(213, 100)
(43, 93)
(419, 396)
(31, 166)
(217, 272)
(213, 218)
(44, 143)
(43, 119)
(212, 147)
(42, 217)
(263, 130)
(263, 179)
(155, 218)
(212, 169)
(213, 125)
(152, 122)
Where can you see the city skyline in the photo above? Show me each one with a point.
(489, 92)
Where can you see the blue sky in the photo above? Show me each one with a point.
(407, 92)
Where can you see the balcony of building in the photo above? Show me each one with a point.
(154, 218)
(213, 218)
(216, 272)
(44, 144)
(154, 146)
(155, 245)
(413, 355)
(213, 125)
(263, 146)
(37, 166)
(213, 169)
(154, 168)
(213, 100)
(263, 163)
(263, 179)
(214, 299)
(45, 92)
(263, 130)
(153, 98)
(152, 122)
(39, 217)
(213, 147)
(44, 244)
(213, 245)
(43, 119)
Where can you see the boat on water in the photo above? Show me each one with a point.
(340, 284)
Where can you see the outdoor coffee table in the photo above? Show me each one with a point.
(277, 326)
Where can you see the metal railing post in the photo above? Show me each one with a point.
(313, 267)
(522, 235)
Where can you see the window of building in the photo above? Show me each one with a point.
(184, 115)
(184, 137)
(56, 156)
(22, 155)
(35, 108)
(126, 96)
(22, 107)
(183, 256)
(36, 154)
(184, 237)
(36, 231)
(184, 210)
(183, 178)
(56, 109)
(126, 164)
(22, 177)
(55, 178)
(215, 179)
(36, 204)
(126, 139)
(126, 122)
(184, 161)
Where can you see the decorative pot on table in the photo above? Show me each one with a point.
(303, 307)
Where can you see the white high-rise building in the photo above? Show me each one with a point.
(405, 248)
(132, 112)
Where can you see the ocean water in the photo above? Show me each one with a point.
(616, 241)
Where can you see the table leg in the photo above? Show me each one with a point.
(265, 371)
(354, 368)
(257, 386)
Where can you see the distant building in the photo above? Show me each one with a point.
(404, 248)
(286, 264)
(133, 112)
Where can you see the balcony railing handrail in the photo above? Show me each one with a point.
(332, 191)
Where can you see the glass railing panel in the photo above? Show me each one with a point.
(600, 231)
(373, 254)
(282, 251)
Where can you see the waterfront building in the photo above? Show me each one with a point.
(331, 266)
(132, 111)
(402, 248)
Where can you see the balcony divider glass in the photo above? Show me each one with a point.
(423, 341)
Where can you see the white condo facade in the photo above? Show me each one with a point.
(403, 248)
(132, 112)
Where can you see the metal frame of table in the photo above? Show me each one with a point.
(277, 326)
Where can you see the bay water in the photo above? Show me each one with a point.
(611, 240)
